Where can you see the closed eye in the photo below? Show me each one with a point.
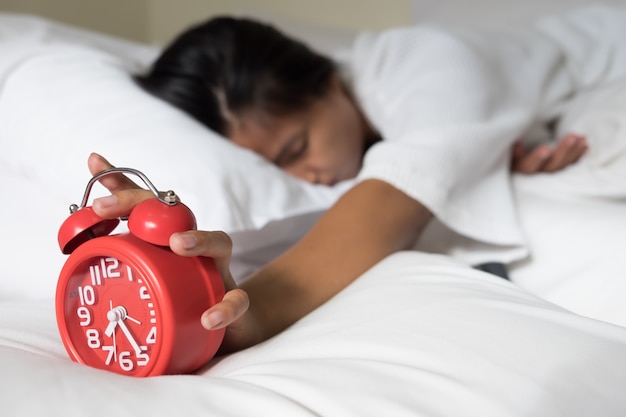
(295, 149)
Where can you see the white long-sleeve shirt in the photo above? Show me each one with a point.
(449, 104)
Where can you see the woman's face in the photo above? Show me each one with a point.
(322, 145)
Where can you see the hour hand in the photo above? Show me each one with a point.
(113, 318)
(110, 328)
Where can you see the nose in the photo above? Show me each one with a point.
(320, 177)
(310, 174)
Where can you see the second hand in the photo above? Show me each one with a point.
(114, 343)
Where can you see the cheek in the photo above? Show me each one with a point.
(339, 154)
(349, 136)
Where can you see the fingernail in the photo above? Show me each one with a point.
(104, 202)
(212, 320)
(189, 241)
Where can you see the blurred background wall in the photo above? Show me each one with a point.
(157, 21)
(124, 18)
(330, 21)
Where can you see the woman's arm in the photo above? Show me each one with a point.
(369, 222)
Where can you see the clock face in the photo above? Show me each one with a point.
(112, 316)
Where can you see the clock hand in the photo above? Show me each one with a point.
(120, 313)
(113, 317)
(130, 337)
(133, 319)
(110, 330)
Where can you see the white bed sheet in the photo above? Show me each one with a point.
(416, 335)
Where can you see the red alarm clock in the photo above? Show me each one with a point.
(125, 302)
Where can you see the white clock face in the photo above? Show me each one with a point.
(111, 317)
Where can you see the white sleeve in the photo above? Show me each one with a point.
(449, 106)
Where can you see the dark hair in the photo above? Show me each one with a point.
(229, 65)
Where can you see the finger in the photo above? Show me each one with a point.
(202, 243)
(577, 148)
(121, 203)
(216, 245)
(567, 151)
(534, 161)
(519, 151)
(114, 182)
(582, 148)
(97, 163)
(234, 305)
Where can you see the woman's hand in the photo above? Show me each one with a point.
(233, 311)
(242, 330)
(546, 158)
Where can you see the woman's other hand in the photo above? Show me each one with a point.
(546, 158)
(232, 312)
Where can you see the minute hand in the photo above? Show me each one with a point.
(130, 337)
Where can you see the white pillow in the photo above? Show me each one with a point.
(61, 100)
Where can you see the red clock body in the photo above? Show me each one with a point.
(134, 308)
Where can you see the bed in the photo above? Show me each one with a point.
(419, 334)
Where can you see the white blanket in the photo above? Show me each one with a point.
(450, 103)
(575, 220)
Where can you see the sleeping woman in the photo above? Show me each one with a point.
(426, 119)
